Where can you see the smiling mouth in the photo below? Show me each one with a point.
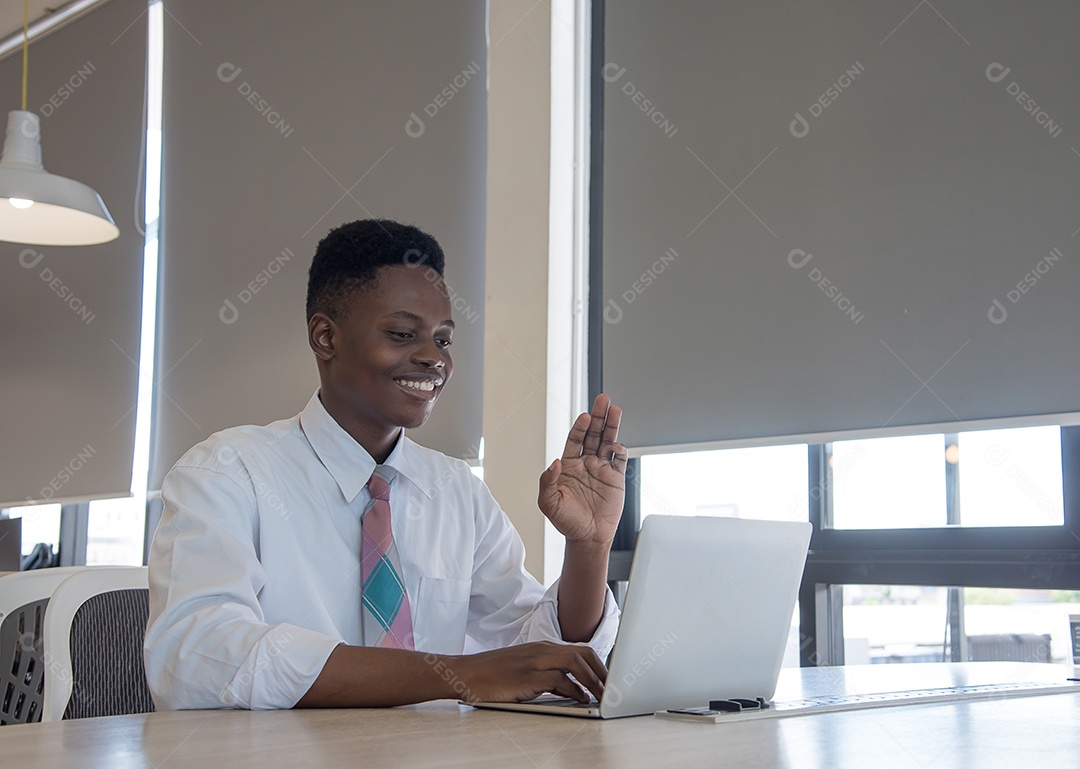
(420, 388)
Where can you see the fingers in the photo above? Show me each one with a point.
(549, 492)
(562, 685)
(595, 433)
(587, 670)
(611, 432)
(619, 457)
(523, 672)
(597, 420)
(576, 438)
(592, 673)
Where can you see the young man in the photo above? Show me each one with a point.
(262, 594)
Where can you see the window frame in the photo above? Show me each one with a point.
(1021, 557)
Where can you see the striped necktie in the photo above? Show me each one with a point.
(385, 617)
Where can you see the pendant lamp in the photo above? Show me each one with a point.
(38, 207)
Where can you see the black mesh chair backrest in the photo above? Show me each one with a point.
(22, 668)
(107, 674)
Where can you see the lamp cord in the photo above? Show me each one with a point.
(26, 48)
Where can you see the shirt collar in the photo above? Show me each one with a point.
(349, 463)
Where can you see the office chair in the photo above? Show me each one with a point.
(23, 599)
(93, 638)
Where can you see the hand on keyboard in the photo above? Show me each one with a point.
(519, 673)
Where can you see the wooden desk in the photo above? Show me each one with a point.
(1041, 731)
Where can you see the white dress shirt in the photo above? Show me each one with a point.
(254, 568)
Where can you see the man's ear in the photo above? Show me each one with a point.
(322, 331)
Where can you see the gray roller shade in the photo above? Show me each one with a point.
(283, 120)
(69, 343)
(823, 218)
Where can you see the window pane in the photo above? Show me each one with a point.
(40, 523)
(1005, 477)
(889, 483)
(1011, 477)
(904, 623)
(768, 483)
(114, 535)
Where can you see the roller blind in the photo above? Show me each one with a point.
(70, 316)
(839, 218)
(283, 120)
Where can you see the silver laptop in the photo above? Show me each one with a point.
(707, 614)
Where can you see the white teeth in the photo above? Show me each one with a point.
(423, 386)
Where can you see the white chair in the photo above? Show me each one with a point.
(93, 638)
(24, 596)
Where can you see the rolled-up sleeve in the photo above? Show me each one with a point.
(508, 605)
(543, 623)
(207, 642)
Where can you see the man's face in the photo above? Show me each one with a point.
(391, 355)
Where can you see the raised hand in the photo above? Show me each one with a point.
(582, 493)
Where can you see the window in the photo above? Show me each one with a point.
(761, 483)
(114, 535)
(888, 483)
(1004, 478)
(40, 523)
(926, 548)
(912, 623)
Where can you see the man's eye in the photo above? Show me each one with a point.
(401, 334)
(444, 343)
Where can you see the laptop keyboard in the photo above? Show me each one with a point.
(913, 696)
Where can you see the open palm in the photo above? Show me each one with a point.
(582, 492)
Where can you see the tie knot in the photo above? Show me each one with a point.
(379, 483)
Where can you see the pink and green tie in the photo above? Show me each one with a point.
(385, 617)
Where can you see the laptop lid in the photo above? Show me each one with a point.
(707, 612)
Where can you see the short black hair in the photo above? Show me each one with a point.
(349, 257)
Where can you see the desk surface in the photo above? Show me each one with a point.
(1038, 730)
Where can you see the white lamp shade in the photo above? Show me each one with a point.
(64, 212)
